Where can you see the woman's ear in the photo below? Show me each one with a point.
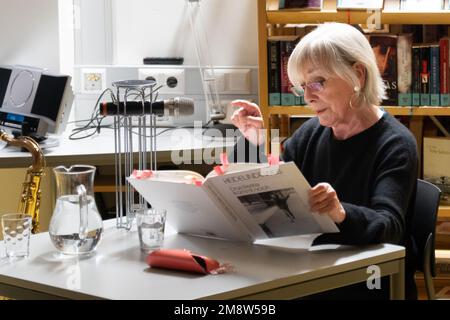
(360, 71)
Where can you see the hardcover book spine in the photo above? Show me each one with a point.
(274, 83)
(434, 76)
(287, 97)
(425, 75)
(385, 50)
(404, 66)
(444, 70)
(300, 4)
(300, 101)
(416, 80)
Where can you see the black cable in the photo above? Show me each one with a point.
(96, 128)
(206, 127)
(95, 117)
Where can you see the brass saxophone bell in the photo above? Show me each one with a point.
(30, 196)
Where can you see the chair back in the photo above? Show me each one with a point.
(424, 224)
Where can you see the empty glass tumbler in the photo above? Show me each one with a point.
(16, 229)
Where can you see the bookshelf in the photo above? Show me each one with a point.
(272, 17)
(395, 111)
(444, 212)
(286, 16)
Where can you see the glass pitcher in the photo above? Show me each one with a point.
(76, 225)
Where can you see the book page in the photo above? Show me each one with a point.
(179, 176)
(237, 167)
(189, 208)
(271, 206)
(289, 243)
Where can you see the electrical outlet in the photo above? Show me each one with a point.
(93, 80)
(172, 80)
(150, 74)
(231, 81)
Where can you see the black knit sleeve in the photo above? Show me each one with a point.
(384, 220)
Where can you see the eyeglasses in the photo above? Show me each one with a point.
(313, 86)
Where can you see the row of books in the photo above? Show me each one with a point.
(279, 48)
(388, 5)
(414, 75)
(300, 4)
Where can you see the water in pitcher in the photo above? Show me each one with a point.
(64, 230)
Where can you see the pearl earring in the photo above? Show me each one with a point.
(356, 89)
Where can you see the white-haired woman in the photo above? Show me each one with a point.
(361, 162)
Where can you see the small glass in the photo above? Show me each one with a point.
(151, 224)
(16, 230)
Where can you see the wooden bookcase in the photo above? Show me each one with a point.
(277, 18)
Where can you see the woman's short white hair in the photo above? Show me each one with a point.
(334, 48)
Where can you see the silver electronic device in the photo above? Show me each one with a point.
(34, 101)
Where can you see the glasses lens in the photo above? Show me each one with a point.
(316, 86)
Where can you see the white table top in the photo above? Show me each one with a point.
(118, 269)
(99, 148)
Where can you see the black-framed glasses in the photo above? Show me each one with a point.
(316, 86)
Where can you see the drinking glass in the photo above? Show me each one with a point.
(16, 229)
(151, 223)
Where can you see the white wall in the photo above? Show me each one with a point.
(115, 36)
(29, 33)
(142, 28)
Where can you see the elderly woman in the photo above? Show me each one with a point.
(361, 162)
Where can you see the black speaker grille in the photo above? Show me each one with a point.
(5, 74)
(48, 97)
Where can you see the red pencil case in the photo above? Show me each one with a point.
(180, 259)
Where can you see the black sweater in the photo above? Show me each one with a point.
(374, 174)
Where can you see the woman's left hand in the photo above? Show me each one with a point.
(323, 199)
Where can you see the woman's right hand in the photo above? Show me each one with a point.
(248, 119)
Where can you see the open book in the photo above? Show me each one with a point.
(249, 202)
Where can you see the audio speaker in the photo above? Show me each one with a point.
(34, 97)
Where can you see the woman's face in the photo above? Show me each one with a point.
(331, 103)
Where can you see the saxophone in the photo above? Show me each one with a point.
(31, 193)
